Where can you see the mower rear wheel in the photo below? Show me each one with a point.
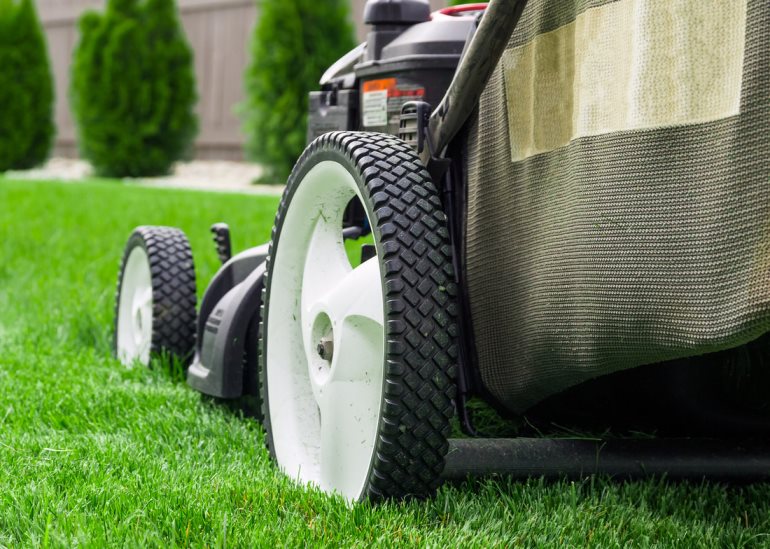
(358, 364)
(155, 302)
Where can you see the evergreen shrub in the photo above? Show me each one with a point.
(26, 88)
(294, 42)
(133, 89)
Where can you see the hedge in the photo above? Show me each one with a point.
(294, 42)
(26, 88)
(133, 89)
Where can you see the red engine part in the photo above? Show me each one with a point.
(455, 10)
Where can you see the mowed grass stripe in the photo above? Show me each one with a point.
(94, 454)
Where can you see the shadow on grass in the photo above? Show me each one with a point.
(647, 512)
(175, 370)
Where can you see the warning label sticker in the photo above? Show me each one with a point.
(375, 108)
(382, 101)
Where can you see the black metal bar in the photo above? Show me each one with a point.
(464, 363)
(472, 75)
(680, 459)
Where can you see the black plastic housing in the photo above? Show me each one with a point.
(396, 12)
(330, 111)
(409, 55)
(229, 308)
(422, 60)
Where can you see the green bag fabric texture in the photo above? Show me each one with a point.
(619, 191)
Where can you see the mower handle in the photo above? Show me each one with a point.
(471, 77)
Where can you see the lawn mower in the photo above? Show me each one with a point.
(559, 210)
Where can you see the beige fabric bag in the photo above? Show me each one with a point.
(619, 191)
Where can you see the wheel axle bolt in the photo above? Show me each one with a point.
(325, 349)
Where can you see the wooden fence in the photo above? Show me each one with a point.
(219, 32)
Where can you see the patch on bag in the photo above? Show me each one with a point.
(627, 65)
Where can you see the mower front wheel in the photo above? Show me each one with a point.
(359, 361)
(155, 302)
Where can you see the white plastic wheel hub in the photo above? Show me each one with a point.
(325, 341)
(134, 329)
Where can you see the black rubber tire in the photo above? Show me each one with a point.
(173, 290)
(415, 257)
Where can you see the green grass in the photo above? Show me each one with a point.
(94, 454)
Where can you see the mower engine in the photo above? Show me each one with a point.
(409, 55)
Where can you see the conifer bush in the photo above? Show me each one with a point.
(133, 89)
(26, 88)
(294, 42)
